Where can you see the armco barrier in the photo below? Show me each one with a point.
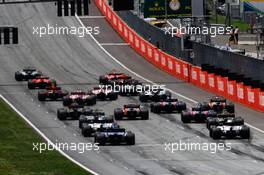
(209, 81)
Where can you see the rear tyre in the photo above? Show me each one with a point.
(185, 117)
(216, 133)
(142, 98)
(31, 85)
(230, 108)
(102, 80)
(87, 131)
(41, 95)
(100, 139)
(113, 96)
(144, 114)
(66, 101)
(245, 132)
(118, 113)
(130, 138)
(18, 76)
(62, 114)
(82, 120)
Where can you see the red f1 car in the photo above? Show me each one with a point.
(52, 93)
(105, 79)
(41, 82)
(79, 97)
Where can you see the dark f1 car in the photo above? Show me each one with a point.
(114, 135)
(221, 118)
(218, 104)
(131, 111)
(52, 93)
(154, 95)
(27, 74)
(96, 123)
(41, 82)
(230, 130)
(127, 87)
(170, 105)
(105, 79)
(104, 93)
(197, 114)
(74, 111)
(80, 97)
(95, 114)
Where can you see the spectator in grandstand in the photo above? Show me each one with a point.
(236, 33)
(232, 36)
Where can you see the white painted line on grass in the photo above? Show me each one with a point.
(45, 137)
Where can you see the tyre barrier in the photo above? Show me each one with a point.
(219, 81)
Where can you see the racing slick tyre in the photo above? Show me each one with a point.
(185, 117)
(41, 95)
(118, 113)
(205, 106)
(210, 122)
(216, 133)
(91, 100)
(66, 101)
(130, 138)
(31, 85)
(82, 120)
(87, 131)
(230, 108)
(99, 138)
(142, 98)
(18, 76)
(245, 132)
(238, 121)
(113, 96)
(144, 114)
(62, 114)
(156, 109)
(181, 106)
(211, 131)
(212, 113)
(103, 80)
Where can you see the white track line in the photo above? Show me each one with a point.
(114, 44)
(145, 79)
(46, 138)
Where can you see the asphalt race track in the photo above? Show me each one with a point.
(77, 63)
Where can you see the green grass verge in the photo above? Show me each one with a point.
(16, 150)
(243, 26)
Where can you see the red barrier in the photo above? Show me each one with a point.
(203, 79)
(252, 97)
(195, 75)
(241, 93)
(211, 83)
(261, 101)
(186, 71)
(221, 83)
(232, 90)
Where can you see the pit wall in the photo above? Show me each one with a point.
(237, 92)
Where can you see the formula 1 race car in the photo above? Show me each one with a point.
(52, 93)
(104, 93)
(27, 74)
(127, 87)
(74, 111)
(105, 79)
(221, 118)
(197, 114)
(114, 135)
(95, 113)
(170, 105)
(41, 82)
(154, 95)
(131, 111)
(96, 123)
(80, 97)
(230, 130)
(218, 104)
